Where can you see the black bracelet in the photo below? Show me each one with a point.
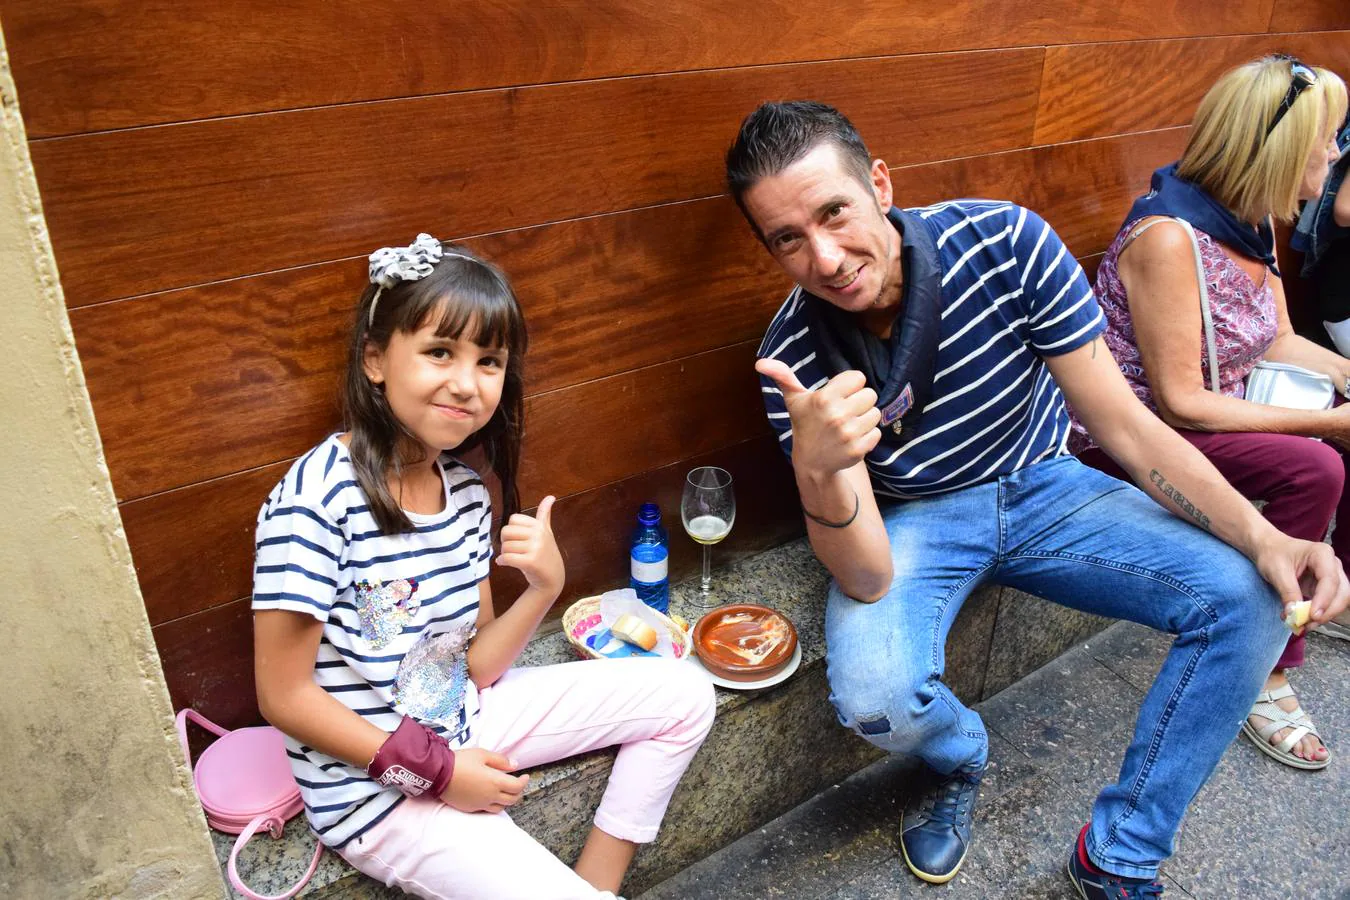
(857, 505)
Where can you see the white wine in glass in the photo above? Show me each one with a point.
(708, 510)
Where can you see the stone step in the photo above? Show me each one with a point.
(769, 750)
(1257, 829)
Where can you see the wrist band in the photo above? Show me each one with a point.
(857, 505)
(414, 759)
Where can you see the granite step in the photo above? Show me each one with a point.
(769, 750)
(1258, 829)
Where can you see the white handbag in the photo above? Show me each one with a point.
(1271, 383)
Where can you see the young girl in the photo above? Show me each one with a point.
(377, 649)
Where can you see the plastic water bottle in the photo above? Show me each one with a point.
(649, 560)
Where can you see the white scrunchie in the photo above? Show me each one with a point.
(390, 265)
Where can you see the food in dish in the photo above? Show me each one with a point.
(744, 641)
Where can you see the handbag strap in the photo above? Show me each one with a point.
(180, 722)
(1205, 315)
(273, 823)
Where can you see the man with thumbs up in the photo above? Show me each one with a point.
(917, 377)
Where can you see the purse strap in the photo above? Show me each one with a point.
(273, 823)
(1208, 319)
(180, 722)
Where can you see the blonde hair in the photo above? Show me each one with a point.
(1229, 153)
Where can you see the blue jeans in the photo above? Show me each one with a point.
(1070, 534)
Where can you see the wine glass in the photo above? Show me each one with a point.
(708, 510)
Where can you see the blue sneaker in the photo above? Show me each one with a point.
(1092, 883)
(935, 829)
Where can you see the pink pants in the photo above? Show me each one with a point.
(1302, 482)
(658, 710)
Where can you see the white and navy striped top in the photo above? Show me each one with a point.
(1011, 294)
(320, 554)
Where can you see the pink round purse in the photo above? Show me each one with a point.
(244, 783)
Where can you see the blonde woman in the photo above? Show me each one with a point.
(1262, 141)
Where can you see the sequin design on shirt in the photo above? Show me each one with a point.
(431, 679)
(384, 608)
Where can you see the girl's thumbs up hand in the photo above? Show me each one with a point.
(528, 545)
(483, 782)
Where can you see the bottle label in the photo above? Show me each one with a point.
(650, 572)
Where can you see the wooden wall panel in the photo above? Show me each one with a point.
(1092, 90)
(585, 436)
(152, 209)
(90, 65)
(193, 547)
(180, 381)
(208, 663)
(1083, 189)
(1310, 15)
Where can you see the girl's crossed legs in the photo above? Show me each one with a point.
(658, 710)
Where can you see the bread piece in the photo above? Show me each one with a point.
(630, 628)
(1299, 615)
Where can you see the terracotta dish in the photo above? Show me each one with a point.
(744, 641)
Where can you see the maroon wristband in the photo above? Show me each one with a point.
(414, 759)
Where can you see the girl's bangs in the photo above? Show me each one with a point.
(489, 318)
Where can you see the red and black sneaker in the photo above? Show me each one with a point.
(1092, 883)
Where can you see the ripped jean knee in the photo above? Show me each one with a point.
(926, 724)
(883, 726)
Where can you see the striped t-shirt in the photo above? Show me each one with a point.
(397, 611)
(1011, 294)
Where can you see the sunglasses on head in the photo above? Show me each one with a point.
(1301, 78)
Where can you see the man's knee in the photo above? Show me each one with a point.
(895, 720)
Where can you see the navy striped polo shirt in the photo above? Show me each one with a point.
(1011, 294)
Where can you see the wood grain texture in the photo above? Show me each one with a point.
(193, 384)
(1310, 15)
(1092, 90)
(193, 547)
(601, 431)
(88, 65)
(1082, 189)
(153, 209)
(208, 663)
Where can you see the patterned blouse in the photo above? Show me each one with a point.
(1244, 323)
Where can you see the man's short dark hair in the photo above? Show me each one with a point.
(776, 135)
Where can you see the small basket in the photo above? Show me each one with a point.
(584, 615)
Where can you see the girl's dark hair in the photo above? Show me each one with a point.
(463, 291)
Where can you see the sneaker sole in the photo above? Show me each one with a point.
(929, 876)
(1077, 888)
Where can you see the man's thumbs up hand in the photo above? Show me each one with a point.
(834, 427)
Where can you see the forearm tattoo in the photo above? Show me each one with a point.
(1180, 499)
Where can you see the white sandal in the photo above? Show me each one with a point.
(1300, 723)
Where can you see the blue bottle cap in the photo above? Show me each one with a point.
(649, 514)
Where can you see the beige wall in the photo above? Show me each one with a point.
(96, 800)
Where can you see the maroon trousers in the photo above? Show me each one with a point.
(1301, 480)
